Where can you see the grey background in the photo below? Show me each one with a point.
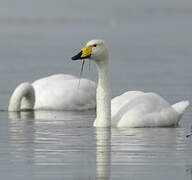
(150, 46)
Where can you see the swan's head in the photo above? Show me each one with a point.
(94, 50)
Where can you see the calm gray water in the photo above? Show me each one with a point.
(150, 47)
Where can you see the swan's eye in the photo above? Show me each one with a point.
(94, 45)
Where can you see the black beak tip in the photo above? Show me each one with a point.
(77, 57)
(73, 58)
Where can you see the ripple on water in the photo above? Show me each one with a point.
(60, 148)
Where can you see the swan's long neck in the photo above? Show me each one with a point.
(103, 97)
(23, 97)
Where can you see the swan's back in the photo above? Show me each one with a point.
(119, 101)
(145, 110)
(61, 92)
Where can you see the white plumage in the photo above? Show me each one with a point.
(139, 109)
(133, 108)
(56, 92)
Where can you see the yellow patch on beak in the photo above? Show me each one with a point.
(86, 51)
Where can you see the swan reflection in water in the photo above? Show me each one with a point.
(21, 115)
(52, 115)
(49, 140)
(68, 142)
(103, 154)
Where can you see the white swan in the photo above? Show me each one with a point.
(133, 108)
(56, 92)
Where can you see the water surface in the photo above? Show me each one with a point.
(150, 46)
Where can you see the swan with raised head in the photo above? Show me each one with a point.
(133, 108)
(56, 92)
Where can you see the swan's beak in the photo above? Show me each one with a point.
(84, 54)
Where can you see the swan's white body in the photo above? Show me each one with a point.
(139, 109)
(61, 92)
(56, 92)
(133, 108)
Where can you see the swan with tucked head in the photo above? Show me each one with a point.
(133, 108)
(56, 92)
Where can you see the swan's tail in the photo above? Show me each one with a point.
(181, 106)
